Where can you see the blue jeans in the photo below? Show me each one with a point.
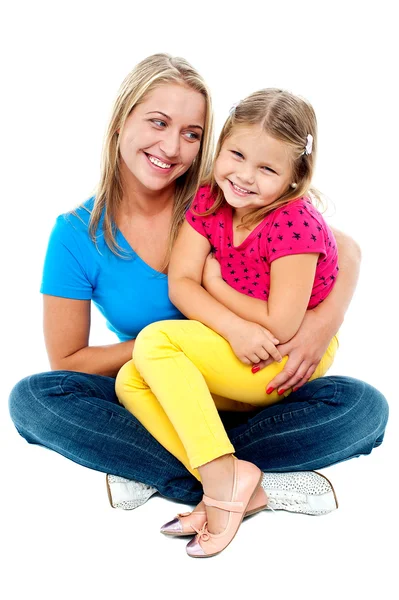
(327, 421)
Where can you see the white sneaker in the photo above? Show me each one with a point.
(305, 492)
(127, 493)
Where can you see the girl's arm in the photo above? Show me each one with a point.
(291, 282)
(307, 347)
(249, 341)
(184, 277)
(66, 331)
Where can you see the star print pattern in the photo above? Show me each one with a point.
(296, 228)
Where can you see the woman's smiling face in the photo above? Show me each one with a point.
(162, 136)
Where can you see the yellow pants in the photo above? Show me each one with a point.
(181, 374)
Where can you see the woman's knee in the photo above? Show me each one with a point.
(23, 404)
(364, 405)
(376, 411)
(371, 412)
(18, 399)
(360, 393)
(32, 397)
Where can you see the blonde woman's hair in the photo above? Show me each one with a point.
(150, 73)
(284, 117)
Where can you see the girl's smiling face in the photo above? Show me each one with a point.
(253, 169)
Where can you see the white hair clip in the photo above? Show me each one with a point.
(309, 145)
(233, 108)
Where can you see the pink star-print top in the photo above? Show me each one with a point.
(295, 228)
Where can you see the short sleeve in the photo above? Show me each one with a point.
(296, 229)
(64, 274)
(203, 200)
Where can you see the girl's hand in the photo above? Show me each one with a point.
(252, 343)
(211, 270)
(305, 350)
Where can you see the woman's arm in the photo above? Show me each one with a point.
(249, 341)
(307, 347)
(333, 308)
(291, 282)
(66, 331)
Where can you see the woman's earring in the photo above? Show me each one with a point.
(294, 185)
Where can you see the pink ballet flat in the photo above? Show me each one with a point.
(191, 522)
(247, 478)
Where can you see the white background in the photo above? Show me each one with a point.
(62, 63)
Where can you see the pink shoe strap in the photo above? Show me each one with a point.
(230, 506)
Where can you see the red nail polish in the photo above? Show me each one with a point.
(269, 390)
(280, 392)
(255, 368)
(295, 389)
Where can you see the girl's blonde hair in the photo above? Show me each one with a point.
(287, 118)
(150, 73)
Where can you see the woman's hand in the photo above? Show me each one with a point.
(319, 326)
(211, 271)
(252, 343)
(305, 350)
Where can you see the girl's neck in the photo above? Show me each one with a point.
(239, 214)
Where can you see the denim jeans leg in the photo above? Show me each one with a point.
(79, 416)
(329, 420)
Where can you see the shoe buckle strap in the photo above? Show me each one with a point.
(229, 506)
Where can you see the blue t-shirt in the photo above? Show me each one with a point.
(128, 292)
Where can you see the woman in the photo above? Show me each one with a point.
(114, 250)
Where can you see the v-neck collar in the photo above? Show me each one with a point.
(124, 244)
(251, 235)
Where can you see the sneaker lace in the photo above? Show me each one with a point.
(282, 502)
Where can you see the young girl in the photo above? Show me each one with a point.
(275, 258)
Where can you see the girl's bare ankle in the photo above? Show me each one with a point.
(200, 507)
(218, 476)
